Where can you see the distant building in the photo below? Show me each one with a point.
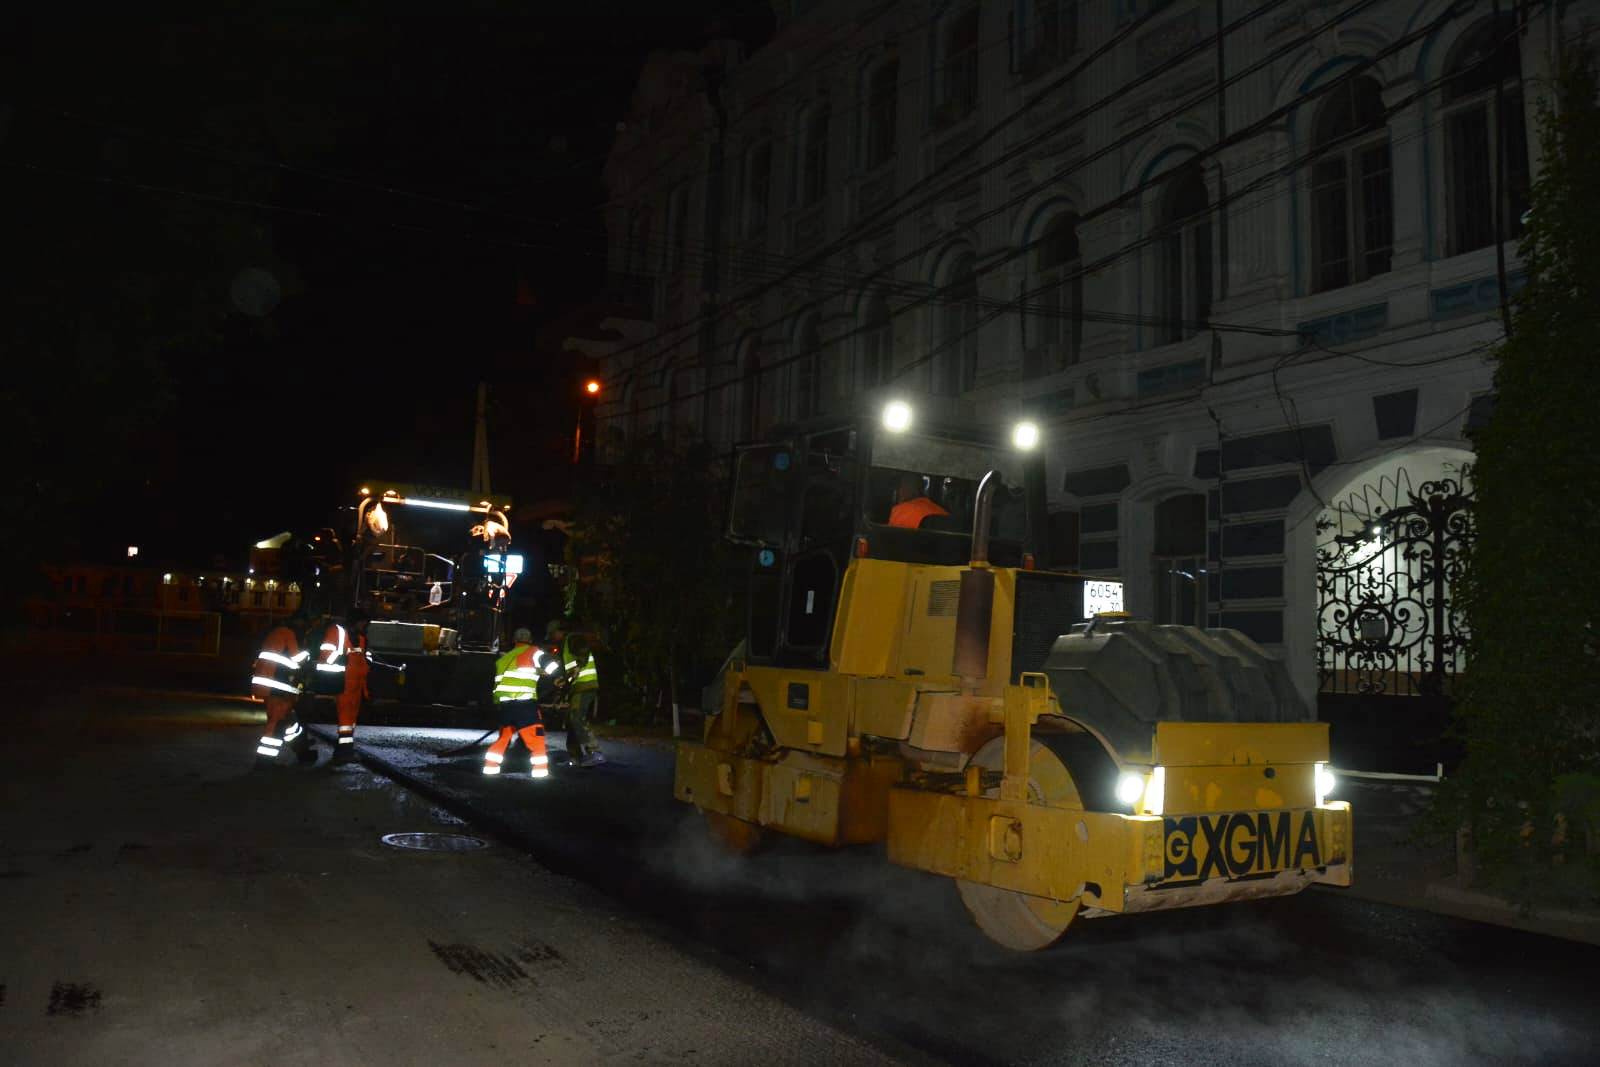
(1251, 323)
(129, 608)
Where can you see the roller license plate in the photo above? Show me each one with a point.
(1239, 844)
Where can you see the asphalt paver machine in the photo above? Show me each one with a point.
(942, 691)
(431, 569)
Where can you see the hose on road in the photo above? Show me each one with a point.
(470, 745)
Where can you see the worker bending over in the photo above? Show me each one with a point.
(516, 684)
(277, 683)
(344, 652)
(583, 687)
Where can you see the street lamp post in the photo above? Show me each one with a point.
(591, 389)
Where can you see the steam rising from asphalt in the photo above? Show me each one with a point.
(1263, 982)
(1317, 978)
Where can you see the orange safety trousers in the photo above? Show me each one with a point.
(532, 737)
(276, 667)
(355, 688)
(278, 709)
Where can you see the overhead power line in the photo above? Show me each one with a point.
(1354, 70)
(1154, 123)
(1049, 132)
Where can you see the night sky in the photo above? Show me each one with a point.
(262, 257)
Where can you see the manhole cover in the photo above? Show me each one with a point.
(435, 842)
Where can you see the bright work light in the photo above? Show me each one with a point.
(1325, 783)
(1025, 435)
(592, 387)
(897, 416)
(1155, 794)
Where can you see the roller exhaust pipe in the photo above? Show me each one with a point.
(975, 607)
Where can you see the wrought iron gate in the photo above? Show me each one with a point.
(1387, 559)
(1390, 638)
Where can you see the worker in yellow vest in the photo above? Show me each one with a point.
(516, 684)
(583, 688)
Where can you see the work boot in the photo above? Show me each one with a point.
(305, 749)
(592, 759)
(343, 754)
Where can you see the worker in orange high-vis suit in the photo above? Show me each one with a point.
(276, 682)
(516, 684)
(344, 651)
(912, 504)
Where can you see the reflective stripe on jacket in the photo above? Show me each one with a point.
(335, 642)
(578, 663)
(517, 673)
(277, 666)
(357, 662)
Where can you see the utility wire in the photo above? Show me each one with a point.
(1244, 133)
(925, 295)
(381, 185)
(878, 279)
(1047, 134)
(1269, 176)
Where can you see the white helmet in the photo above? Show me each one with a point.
(523, 636)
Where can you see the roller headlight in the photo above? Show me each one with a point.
(1325, 783)
(1025, 436)
(1130, 787)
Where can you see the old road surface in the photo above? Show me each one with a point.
(166, 905)
(162, 904)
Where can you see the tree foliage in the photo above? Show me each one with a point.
(1529, 712)
(662, 601)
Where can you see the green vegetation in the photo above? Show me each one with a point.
(661, 595)
(1529, 712)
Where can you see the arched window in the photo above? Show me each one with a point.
(679, 251)
(1352, 191)
(814, 154)
(1043, 31)
(757, 187)
(956, 365)
(666, 409)
(1179, 559)
(680, 412)
(877, 342)
(1483, 134)
(879, 128)
(958, 67)
(750, 371)
(1055, 318)
(1183, 256)
(807, 372)
(631, 403)
(639, 244)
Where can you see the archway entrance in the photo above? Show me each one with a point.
(1390, 639)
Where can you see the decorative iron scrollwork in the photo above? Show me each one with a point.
(1387, 560)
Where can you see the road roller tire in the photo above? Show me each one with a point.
(1019, 921)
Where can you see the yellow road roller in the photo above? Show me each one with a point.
(914, 673)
